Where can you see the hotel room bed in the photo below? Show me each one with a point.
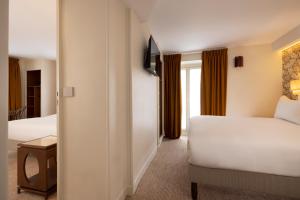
(256, 154)
(30, 129)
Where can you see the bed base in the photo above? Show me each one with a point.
(247, 181)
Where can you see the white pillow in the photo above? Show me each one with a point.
(288, 110)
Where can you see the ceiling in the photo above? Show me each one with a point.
(32, 28)
(143, 8)
(192, 25)
(177, 25)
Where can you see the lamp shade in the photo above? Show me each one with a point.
(295, 87)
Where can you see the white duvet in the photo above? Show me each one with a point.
(33, 128)
(263, 145)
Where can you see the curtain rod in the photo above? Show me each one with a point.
(193, 52)
(183, 53)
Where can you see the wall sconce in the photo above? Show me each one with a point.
(238, 61)
(295, 87)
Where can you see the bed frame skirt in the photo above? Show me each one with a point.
(248, 181)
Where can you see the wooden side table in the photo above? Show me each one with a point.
(44, 150)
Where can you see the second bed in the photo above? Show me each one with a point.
(30, 129)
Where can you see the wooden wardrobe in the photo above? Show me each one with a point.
(33, 93)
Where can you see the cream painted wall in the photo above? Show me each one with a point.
(4, 96)
(191, 56)
(144, 103)
(48, 82)
(254, 89)
(84, 117)
(95, 123)
(119, 104)
(109, 128)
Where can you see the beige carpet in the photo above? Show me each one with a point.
(167, 179)
(12, 185)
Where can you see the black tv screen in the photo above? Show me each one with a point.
(152, 54)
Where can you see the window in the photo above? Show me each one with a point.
(195, 75)
(183, 99)
(190, 94)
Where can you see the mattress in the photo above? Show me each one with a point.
(262, 145)
(33, 128)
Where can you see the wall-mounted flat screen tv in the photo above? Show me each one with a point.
(152, 57)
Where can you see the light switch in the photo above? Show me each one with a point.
(68, 92)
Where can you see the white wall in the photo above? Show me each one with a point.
(119, 104)
(84, 117)
(95, 123)
(144, 103)
(191, 56)
(4, 96)
(254, 89)
(48, 82)
(109, 128)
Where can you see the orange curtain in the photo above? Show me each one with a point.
(15, 101)
(172, 94)
(214, 82)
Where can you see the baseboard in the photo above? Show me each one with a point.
(143, 169)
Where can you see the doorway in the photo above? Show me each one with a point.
(32, 124)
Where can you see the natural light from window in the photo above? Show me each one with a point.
(194, 92)
(190, 94)
(183, 100)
